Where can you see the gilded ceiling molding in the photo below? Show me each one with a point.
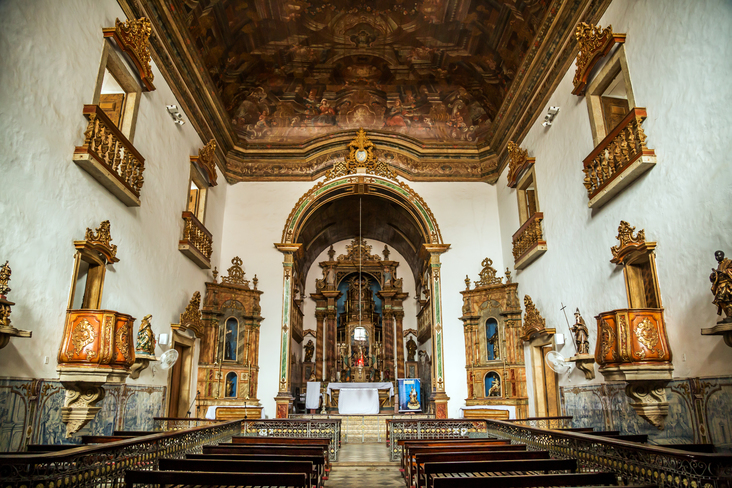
(206, 159)
(99, 241)
(360, 155)
(518, 162)
(132, 37)
(594, 44)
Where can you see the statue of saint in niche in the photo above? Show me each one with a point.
(494, 342)
(230, 339)
(309, 350)
(411, 349)
(145, 338)
(721, 279)
(579, 329)
(495, 385)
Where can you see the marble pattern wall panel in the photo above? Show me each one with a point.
(30, 412)
(700, 411)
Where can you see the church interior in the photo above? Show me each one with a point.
(497, 213)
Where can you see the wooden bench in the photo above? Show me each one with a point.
(406, 444)
(323, 442)
(471, 480)
(264, 449)
(317, 461)
(188, 478)
(467, 455)
(237, 466)
(513, 466)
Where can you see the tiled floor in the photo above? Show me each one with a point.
(365, 465)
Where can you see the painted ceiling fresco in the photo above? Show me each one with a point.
(287, 71)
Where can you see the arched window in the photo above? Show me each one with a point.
(231, 336)
(493, 342)
(230, 385)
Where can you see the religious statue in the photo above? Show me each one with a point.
(495, 343)
(411, 349)
(348, 374)
(721, 279)
(372, 374)
(579, 329)
(145, 338)
(413, 400)
(495, 389)
(309, 350)
(312, 376)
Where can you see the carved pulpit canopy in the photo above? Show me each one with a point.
(191, 318)
(594, 43)
(534, 324)
(100, 242)
(132, 37)
(358, 250)
(360, 155)
(630, 245)
(206, 160)
(518, 162)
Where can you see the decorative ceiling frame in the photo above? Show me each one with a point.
(543, 67)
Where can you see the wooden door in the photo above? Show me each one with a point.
(174, 406)
(551, 398)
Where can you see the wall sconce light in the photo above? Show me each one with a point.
(175, 114)
(549, 117)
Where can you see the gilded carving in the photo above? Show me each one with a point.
(101, 240)
(132, 37)
(123, 343)
(235, 274)
(487, 275)
(721, 279)
(626, 237)
(647, 335)
(530, 236)
(207, 160)
(83, 335)
(191, 318)
(517, 161)
(623, 333)
(5, 273)
(594, 42)
(533, 321)
(358, 250)
(361, 155)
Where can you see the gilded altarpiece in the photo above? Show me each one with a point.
(494, 356)
(228, 365)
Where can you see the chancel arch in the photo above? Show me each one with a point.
(362, 199)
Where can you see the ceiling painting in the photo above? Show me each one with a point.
(287, 71)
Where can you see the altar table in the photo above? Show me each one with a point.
(359, 398)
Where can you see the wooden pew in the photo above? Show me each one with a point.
(132, 477)
(264, 449)
(408, 445)
(232, 466)
(317, 460)
(523, 480)
(467, 455)
(323, 442)
(494, 466)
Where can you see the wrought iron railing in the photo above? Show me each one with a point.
(561, 422)
(330, 428)
(166, 424)
(113, 153)
(432, 429)
(104, 465)
(633, 462)
(621, 148)
(197, 242)
(528, 236)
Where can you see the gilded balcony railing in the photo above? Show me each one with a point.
(619, 159)
(528, 241)
(110, 157)
(197, 242)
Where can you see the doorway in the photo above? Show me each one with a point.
(179, 380)
(545, 380)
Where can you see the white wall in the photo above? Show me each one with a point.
(468, 217)
(48, 71)
(678, 56)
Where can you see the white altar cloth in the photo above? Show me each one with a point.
(358, 401)
(386, 385)
(312, 397)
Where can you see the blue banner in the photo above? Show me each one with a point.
(409, 395)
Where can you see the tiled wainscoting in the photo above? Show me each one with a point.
(30, 411)
(700, 411)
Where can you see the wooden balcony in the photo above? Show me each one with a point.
(618, 160)
(528, 242)
(197, 242)
(110, 158)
